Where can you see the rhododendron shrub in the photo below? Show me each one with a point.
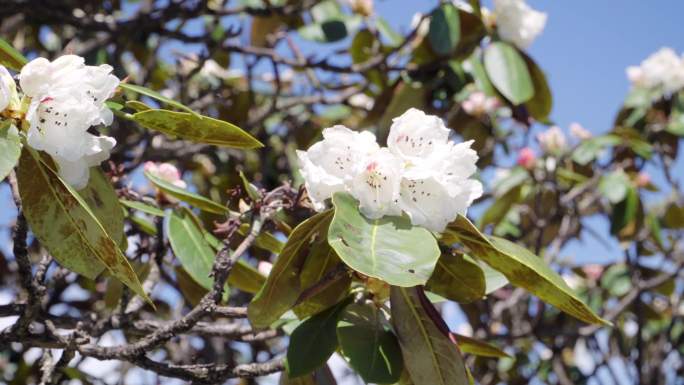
(294, 192)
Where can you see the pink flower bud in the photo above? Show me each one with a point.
(643, 179)
(527, 158)
(579, 132)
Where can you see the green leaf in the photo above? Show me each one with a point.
(10, 57)
(282, 287)
(429, 355)
(321, 376)
(201, 129)
(445, 29)
(493, 278)
(389, 248)
(457, 277)
(65, 225)
(103, 201)
(10, 148)
(501, 206)
(522, 268)
(592, 148)
(313, 342)
(321, 261)
(252, 190)
(137, 106)
(625, 211)
(540, 106)
(478, 348)
(265, 240)
(372, 350)
(154, 95)
(195, 200)
(479, 74)
(188, 244)
(331, 30)
(195, 252)
(143, 207)
(508, 72)
(614, 186)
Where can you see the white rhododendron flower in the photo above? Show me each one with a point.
(552, 141)
(517, 22)
(167, 172)
(67, 98)
(663, 69)
(376, 184)
(330, 164)
(7, 89)
(420, 173)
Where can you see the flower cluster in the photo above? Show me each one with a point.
(664, 69)
(420, 172)
(67, 98)
(517, 22)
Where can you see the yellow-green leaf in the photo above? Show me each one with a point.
(429, 355)
(195, 200)
(65, 225)
(458, 278)
(521, 267)
(10, 57)
(10, 148)
(201, 129)
(282, 287)
(478, 348)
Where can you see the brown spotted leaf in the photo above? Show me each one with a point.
(62, 221)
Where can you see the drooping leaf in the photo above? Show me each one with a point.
(388, 32)
(10, 148)
(457, 277)
(65, 225)
(371, 348)
(313, 342)
(154, 95)
(476, 347)
(429, 356)
(10, 57)
(142, 207)
(389, 248)
(521, 268)
(508, 72)
(592, 148)
(494, 279)
(445, 29)
(321, 261)
(103, 201)
(197, 128)
(282, 287)
(186, 196)
(541, 104)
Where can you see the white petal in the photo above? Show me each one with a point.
(35, 76)
(376, 185)
(319, 183)
(7, 88)
(517, 22)
(74, 173)
(428, 203)
(330, 162)
(415, 134)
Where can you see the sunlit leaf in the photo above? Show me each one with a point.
(522, 268)
(508, 72)
(389, 248)
(10, 148)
